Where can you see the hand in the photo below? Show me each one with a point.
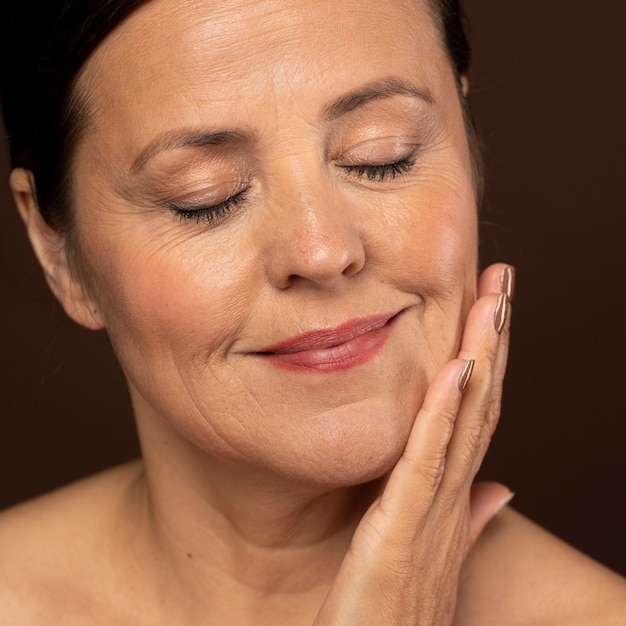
(404, 561)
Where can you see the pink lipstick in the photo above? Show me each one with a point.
(332, 349)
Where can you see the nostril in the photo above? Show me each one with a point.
(354, 267)
(316, 243)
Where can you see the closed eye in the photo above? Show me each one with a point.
(207, 214)
(383, 172)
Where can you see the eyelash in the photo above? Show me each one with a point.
(216, 212)
(381, 173)
(207, 214)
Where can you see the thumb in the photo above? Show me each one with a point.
(486, 499)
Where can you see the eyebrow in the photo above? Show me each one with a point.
(194, 138)
(190, 138)
(377, 90)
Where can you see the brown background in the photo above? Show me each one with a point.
(549, 96)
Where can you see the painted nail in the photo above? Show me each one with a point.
(466, 374)
(508, 281)
(501, 312)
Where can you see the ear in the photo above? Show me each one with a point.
(51, 251)
(465, 86)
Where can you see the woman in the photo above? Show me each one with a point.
(271, 209)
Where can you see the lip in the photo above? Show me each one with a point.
(332, 349)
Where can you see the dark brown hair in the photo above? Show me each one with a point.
(45, 43)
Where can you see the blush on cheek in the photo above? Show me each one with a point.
(441, 258)
(175, 310)
(441, 261)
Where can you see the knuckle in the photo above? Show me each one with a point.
(428, 470)
(475, 436)
(474, 443)
(442, 414)
(493, 412)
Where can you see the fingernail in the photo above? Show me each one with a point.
(466, 374)
(506, 502)
(508, 281)
(501, 312)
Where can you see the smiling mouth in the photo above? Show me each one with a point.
(332, 349)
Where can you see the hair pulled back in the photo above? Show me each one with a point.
(45, 43)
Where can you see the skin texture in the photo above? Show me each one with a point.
(312, 247)
(285, 112)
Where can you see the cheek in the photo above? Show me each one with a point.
(436, 247)
(433, 239)
(184, 301)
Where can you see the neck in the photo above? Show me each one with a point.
(219, 530)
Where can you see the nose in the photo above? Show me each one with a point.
(316, 240)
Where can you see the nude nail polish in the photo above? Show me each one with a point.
(508, 282)
(501, 312)
(466, 374)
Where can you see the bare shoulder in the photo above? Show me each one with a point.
(55, 544)
(519, 574)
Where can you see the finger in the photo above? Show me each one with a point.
(479, 409)
(424, 455)
(499, 370)
(496, 362)
(487, 498)
(413, 483)
(497, 278)
(417, 476)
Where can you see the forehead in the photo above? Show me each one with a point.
(231, 58)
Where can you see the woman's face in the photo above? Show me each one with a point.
(275, 213)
